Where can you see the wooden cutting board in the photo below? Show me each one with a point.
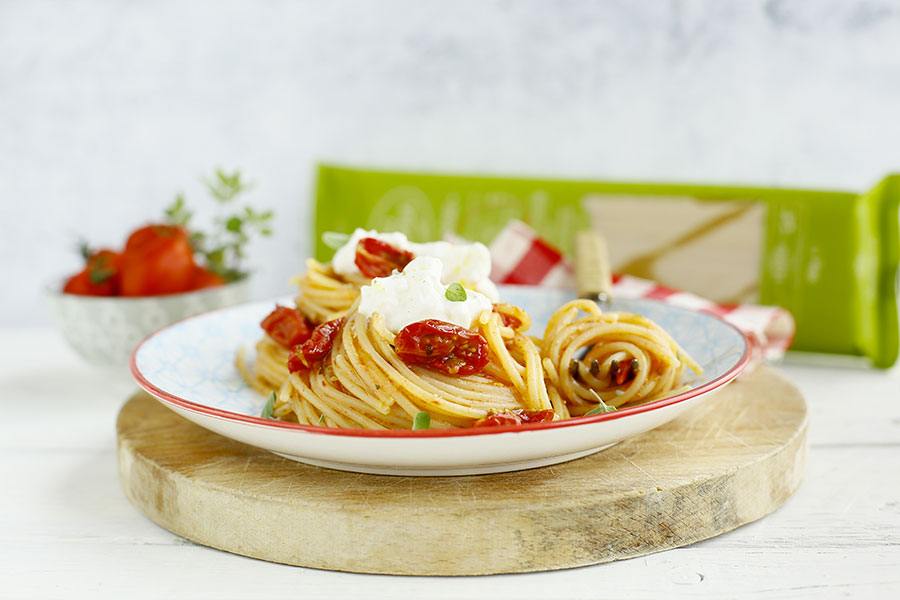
(731, 461)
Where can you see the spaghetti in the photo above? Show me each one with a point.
(359, 368)
(323, 295)
(366, 384)
(627, 358)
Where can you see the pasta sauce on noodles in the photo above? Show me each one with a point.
(411, 342)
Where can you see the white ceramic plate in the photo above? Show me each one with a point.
(189, 367)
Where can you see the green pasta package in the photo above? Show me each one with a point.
(830, 257)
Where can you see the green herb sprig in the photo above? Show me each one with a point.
(177, 213)
(600, 409)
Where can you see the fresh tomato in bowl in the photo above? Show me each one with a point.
(101, 275)
(166, 270)
(158, 259)
(81, 285)
(202, 278)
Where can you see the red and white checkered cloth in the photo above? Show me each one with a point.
(519, 256)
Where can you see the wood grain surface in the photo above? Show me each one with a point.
(726, 463)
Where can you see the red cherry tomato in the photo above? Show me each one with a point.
(203, 278)
(535, 416)
(105, 265)
(376, 258)
(515, 417)
(498, 420)
(507, 319)
(442, 346)
(80, 284)
(510, 321)
(621, 373)
(100, 277)
(287, 326)
(317, 347)
(158, 259)
(145, 236)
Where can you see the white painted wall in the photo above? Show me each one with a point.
(107, 108)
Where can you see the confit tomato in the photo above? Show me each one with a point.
(507, 319)
(510, 321)
(442, 346)
(376, 258)
(203, 278)
(621, 373)
(317, 347)
(287, 326)
(497, 420)
(158, 259)
(100, 277)
(515, 417)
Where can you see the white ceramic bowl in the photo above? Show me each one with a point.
(105, 330)
(189, 367)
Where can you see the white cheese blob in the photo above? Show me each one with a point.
(466, 264)
(417, 294)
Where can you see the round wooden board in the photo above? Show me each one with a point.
(728, 462)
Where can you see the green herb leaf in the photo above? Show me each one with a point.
(321, 419)
(225, 186)
(603, 407)
(455, 292)
(234, 224)
(177, 212)
(269, 407)
(223, 247)
(334, 239)
(422, 421)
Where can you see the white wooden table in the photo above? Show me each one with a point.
(66, 530)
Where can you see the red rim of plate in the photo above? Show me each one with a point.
(228, 415)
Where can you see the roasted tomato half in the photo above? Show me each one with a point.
(158, 259)
(287, 326)
(442, 346)
(376, 258)
(510, 320)
(621, 372)
(515, 417)
(317, 347)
